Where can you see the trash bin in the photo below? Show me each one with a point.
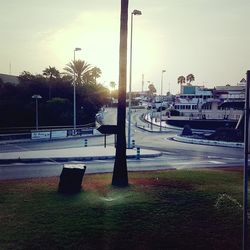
(71, 178)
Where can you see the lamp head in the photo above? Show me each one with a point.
(77, 49)
(137, 12)
(163, 71)
(36, 97)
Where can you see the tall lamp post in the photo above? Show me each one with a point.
(162, 72)
(76, 49)
(246, 157)
(36, 97)
(135, 12)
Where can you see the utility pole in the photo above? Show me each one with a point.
(142, 83)
(246, 152)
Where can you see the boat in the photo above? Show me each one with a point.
(207, 109)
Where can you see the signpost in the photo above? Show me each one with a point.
(108, 130)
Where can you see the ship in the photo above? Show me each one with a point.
(207, 109)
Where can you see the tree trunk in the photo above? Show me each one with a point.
(120, 173)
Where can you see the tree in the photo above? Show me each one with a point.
(79, 69)
(96, 73)
(112, 85)
(190, 78)
(151, 89)
(26, 76)
(181, 80)
(51, 73)
(120, 173)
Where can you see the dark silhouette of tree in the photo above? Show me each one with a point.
(112, 85)
(26, 76)
(17, 107)
(81, 70)
(95, 73)
(151, 89)
(190, 78)
(181, 80)
(120, 173)
(51, 73)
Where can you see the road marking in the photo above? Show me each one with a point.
(217, 162)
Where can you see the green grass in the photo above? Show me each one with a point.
(198, 209)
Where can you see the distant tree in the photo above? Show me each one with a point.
(190, 78)
(181, 80)
(26, 76)
(95, 73)
(120, 173)
(18, 109)
(80, 69)
(112, 85)
(151, 89)
(51, 73)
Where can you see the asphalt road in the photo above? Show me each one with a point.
(176, 155)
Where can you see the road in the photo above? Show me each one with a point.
(176, 155)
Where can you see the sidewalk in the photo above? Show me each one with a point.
(72, 154)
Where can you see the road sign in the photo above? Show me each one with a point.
(108, 129)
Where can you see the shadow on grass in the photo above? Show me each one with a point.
(159, 210)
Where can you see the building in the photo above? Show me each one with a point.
(9, 79)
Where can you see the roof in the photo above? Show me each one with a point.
(9, 78)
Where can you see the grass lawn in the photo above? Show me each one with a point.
(183, 209)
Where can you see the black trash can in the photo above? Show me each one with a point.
(71, 178)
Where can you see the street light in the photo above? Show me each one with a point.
(135, 12)
(76, 49)
(162, 72)
(36, 97)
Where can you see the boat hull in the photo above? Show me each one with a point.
(210, 124)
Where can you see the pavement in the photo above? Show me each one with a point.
(73, 154)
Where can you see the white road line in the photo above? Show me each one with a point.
(217, 162)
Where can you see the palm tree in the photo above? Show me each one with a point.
(51, 73)
(190, 78)
(91, 75)
(78, 69)
(96, 73)
(181, 80)
(112, 85)
(120, 172)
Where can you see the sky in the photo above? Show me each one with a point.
(208, 38)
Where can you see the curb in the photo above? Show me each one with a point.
(47, 140)
(208, 142)
(73, 158)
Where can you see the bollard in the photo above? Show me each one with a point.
(138, 156)
(85, 142)
(133, 143)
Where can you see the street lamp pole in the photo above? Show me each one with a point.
(36, 97)
(76, 49)
(163, 71)
(246, 157)
(135, 12)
